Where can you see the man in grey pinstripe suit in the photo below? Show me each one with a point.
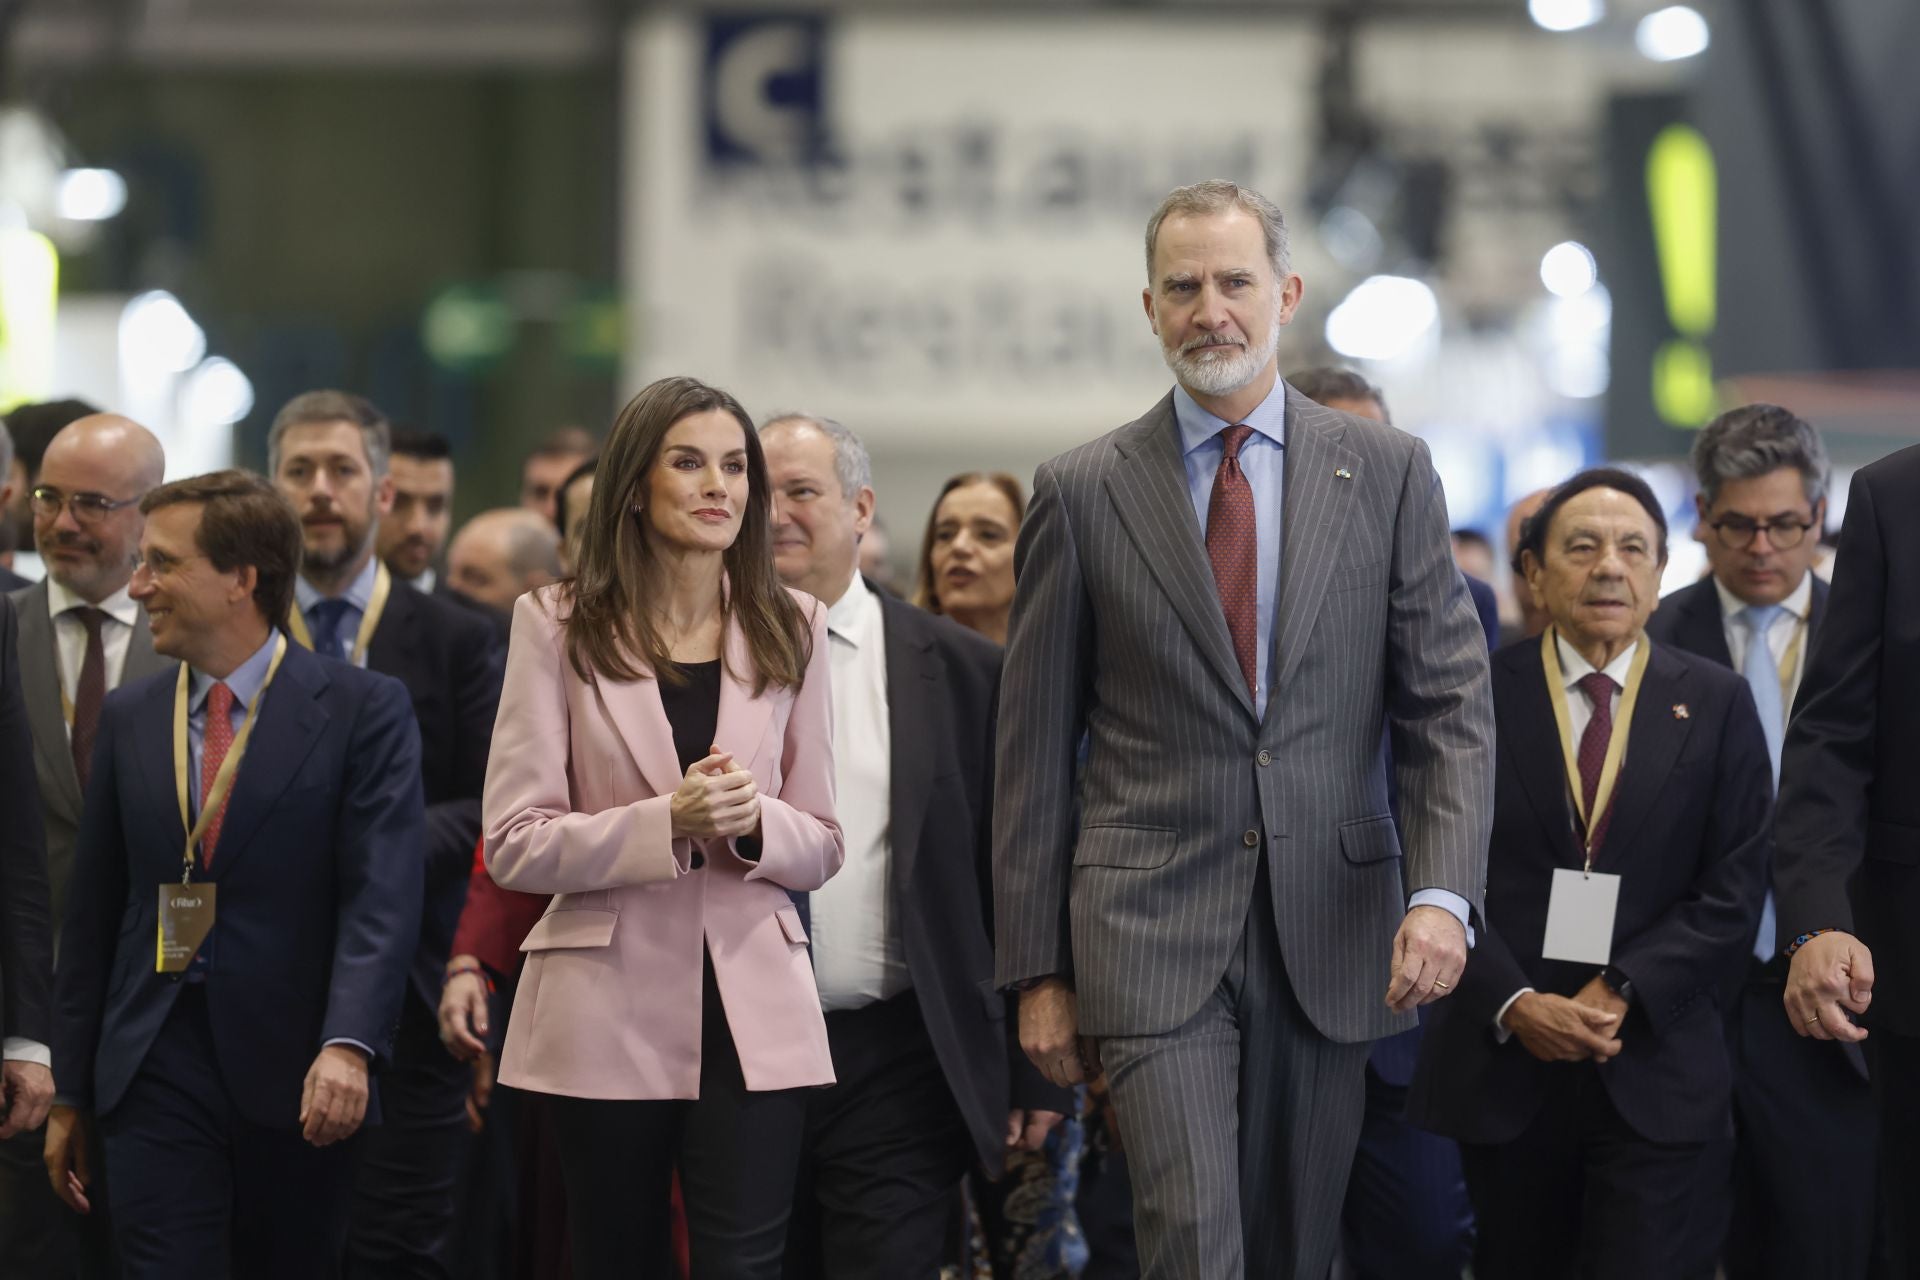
(1225, 600)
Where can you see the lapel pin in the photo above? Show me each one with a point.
(1680, 711)
(1343, 474)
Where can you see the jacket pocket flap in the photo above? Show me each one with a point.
(1137, 848)
(573, 927)
(1369, 840)
(790, 925)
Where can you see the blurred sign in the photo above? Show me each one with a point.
(932, 224)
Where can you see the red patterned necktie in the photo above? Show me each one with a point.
(1235, 553)
(213, 752)
(1599, 688)
(89, 692)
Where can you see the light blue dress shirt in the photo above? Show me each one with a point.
(245, 681)
(358, 595)
(1263, 462)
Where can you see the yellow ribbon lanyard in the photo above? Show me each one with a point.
(369, 621)
(223, 780)
(1616, 745)
(1790, 663)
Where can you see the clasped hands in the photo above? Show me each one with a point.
(718, 798)
(1579, 1028)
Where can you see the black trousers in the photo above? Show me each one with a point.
(198, 1191)
(737, 1153)
(1406, 1215)
(411, 1162)
(885, 1150)
(1579, 1193)
(39, 1236)
(1798, 1105)
(1894, 1061)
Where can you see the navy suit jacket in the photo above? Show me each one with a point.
(319, 881)
(26, 926)
(1690, 619)
(1688, 836)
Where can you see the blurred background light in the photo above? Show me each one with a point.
(158, 337)
(1382, 318)
(1673, 33)
(90, 195)
(1565, 15)
(1568, 269)
(215, 393)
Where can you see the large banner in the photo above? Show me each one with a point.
(928, 226)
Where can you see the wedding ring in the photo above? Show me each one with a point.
(1443, 986)
(1810, 1021)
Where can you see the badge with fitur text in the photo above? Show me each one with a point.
(186, 918)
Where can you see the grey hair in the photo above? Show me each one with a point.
(851, 465)
(1331, 382)
(334, 406)
(1217, 196)
(1754, 440)
(533, 546)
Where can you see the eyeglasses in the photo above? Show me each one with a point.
(1736, 533)
(87, 508)
(159, 564)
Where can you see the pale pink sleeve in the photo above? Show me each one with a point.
(801, 845)
(535, 842)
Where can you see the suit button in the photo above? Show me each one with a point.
(1250, 839)
(1265, 758)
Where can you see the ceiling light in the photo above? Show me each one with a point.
(1673, 33)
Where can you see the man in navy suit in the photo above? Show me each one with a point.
(1583, 1070)
(1797, 1102)
(229, 1086)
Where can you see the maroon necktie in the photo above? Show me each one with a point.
(1599, 688)
(1235, 553)
(88, 693)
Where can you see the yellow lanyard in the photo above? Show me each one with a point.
(223, 779)
(369, 621)
(1616, 744)
(1789, 662)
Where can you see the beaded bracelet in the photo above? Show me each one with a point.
(454, 971)
(1804, 939)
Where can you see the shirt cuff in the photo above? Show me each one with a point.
(21, 1049)
(1500, 1033)
(1450, 902)
(371, 1055)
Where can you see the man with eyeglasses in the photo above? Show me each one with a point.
(1799, 1105)
(81, 637)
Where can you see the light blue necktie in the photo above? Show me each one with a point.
(1763, 677)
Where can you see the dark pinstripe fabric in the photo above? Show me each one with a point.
(1138, 884)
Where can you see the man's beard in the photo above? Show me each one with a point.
(326, 564)
(1220, 375)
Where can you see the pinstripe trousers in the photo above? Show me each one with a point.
(1239, 1125)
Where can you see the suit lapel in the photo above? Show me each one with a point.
(142, 661)
(634, 709)
(1701, 628)
(1654, 740)
(1149, 490)
(913, 676)
(390, 650)
(1816, 609)
(40, 681)
(290, 722)
(1313, 520)
(1530, 738)
(153, 736)
(743, 718)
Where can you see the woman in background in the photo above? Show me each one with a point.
(966, 557)
(662, 764)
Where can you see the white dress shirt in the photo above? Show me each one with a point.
(857, 956)
(424, 583)
(1794, 613)
(70, 636)
(1574, 669)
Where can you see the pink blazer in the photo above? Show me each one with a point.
(579, 783)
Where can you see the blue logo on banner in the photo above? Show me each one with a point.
(763, 96)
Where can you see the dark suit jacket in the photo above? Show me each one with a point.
(943, 689)
(1690, 619)
(26, 923)
(60, 799)
(11, 581)
(1688, 837)
(1847, 835)
(501, 620)
(319, 878)
(450, 661)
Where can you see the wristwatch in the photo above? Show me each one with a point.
(1618, 983)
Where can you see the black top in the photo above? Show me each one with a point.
(693, 709)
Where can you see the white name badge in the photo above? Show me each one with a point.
(1580, 917)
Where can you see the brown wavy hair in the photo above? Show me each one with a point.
(607, 624)
(925, 594)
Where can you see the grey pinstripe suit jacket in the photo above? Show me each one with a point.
(1136, 881)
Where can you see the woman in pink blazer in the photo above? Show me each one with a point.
(662, 764)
